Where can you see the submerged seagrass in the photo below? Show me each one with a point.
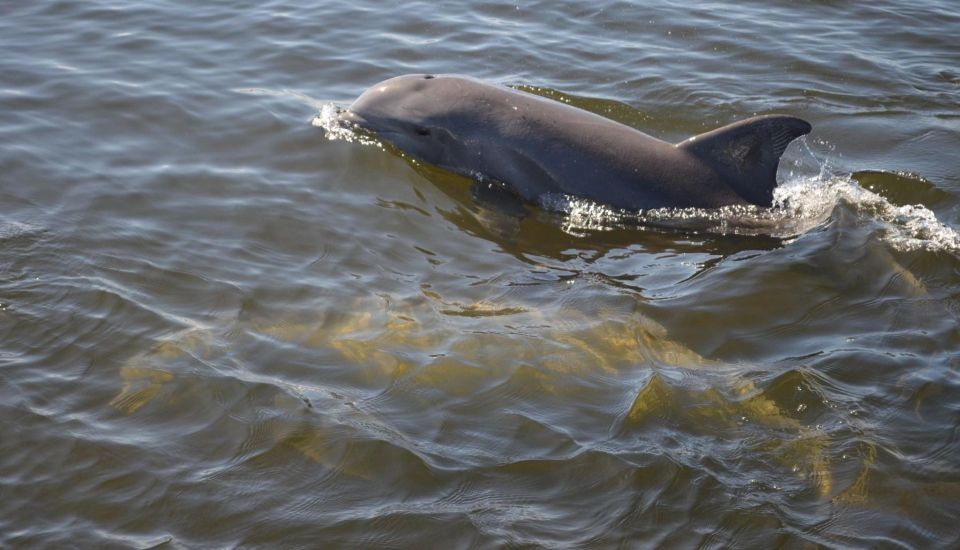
(538, 147)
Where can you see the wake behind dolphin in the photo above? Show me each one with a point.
(538, 147)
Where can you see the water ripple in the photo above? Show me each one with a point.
(220, 328)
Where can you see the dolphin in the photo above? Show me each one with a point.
(538, 147)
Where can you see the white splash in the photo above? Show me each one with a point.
(800, 205)
(328, 119)
(334, 128)
(906, 228)
(582, 215)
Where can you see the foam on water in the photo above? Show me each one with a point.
(329, 119)
(908, 227)
(799, 205)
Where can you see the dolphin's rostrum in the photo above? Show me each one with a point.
(537, 146)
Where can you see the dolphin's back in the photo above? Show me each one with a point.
(542, 146)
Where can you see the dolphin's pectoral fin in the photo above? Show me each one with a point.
(499, 210)
(524, 176)
(496, 196)
(746, 153)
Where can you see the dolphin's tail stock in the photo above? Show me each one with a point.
(746, 153)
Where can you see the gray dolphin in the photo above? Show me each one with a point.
(537, 146)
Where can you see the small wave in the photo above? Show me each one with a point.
(906, 228)
(799, 206)
(299, 96)
(791, 215)
(581, 216)
(329, 119)
(10, 230)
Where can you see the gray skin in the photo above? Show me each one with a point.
(537, 146)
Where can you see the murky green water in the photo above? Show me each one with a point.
(220, 328)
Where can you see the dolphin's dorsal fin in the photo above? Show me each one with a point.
(746, 153)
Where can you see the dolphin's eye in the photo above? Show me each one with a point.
(422, 131)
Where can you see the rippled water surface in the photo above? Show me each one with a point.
(221, 328)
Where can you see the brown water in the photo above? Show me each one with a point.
(220, 328)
